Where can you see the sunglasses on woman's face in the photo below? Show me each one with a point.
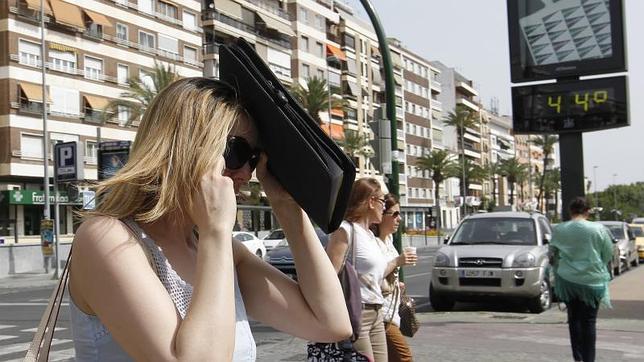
(238, 152)
(394, 214)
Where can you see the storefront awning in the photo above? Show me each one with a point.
(96, 103)
(398, 79)
(229, 8)
(354, 89)
(338, 112)
(396, 60)
(67, 14)
(35, 5)
(332, 50)
(275, 24)
(33, 92)
(98, 18)
(336, 131)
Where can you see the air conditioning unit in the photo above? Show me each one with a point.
(16, 153)
(10, 187)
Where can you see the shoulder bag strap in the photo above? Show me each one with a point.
(394, 302)
(350, 247)
(41, 343)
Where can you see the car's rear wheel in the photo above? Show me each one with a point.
(543, 301)
(440, 303)
(618, 269)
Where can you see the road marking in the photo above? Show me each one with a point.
(27, 304)
(3, 337)
(4, 326)
(33, 330)
(22, 347)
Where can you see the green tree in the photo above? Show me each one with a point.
(547, 144)
(627, 199)
(315, 98)
(356, 144)
(513, 170)
(441, 165)
(460, 119)
(473, 173)
(492, 170)
(141, 93)
(551, 187)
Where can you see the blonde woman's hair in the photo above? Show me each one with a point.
(362, 190)
(182, 134)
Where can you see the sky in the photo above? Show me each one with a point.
(472, 37)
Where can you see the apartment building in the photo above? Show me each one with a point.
(362, 83)
(92, 49)
(502, 147)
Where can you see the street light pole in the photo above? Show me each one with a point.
(328, 85)
(463, 164)
(45, 138)
(596, 195)
(614, 194)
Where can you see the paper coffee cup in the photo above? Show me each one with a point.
(410, 249)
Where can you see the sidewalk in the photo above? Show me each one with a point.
(28, 280)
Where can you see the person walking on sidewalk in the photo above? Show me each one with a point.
(365, 207)
(155, 273)
(581, 250)
(397, 347)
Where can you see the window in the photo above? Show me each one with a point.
(145, 6)
(349, 41)
(146, 40)
(320, 49)
(62, 61)
(303, 16)
(320, 74)
(169, 46)
(123, 113)
(190, 55)
(189, 21)
(121, 32)
(122, 73)
(146, 79)
(93, 68)
(304, 43)
(167, 9)
(31, 146)
(29, 53)
(64, 100)
(319, 22)
(91, 151)
(306, 71)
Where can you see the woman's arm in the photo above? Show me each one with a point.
(406, 258)
(110, 273)
(314, 308)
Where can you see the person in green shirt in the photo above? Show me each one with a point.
(581, 250)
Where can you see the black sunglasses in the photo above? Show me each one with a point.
(238, 152)
(394, 214)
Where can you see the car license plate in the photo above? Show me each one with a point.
(477, 273)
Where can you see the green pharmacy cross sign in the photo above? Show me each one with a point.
(29, 197)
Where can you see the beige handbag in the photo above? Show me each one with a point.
(40, 345)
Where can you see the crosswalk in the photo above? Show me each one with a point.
(14, 342)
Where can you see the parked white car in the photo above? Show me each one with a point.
(274, 238)
(252, 242)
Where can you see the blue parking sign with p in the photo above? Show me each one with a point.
(68, 162)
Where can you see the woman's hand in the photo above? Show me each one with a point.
(274, 190)
(214, 205)
(406, 258)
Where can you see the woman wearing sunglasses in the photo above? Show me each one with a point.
(397, 347)
(365, 207)
(155, 274)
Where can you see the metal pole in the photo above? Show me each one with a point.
(463, 165)
(614, 195)
(328, 87)
(45, 138)
(390, 94)
(596, 195)
(572, 169)
(530, 170)
(56, 231)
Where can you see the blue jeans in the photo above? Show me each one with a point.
(582, 320)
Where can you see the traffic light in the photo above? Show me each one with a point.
(381, 142)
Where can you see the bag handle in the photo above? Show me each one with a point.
(41, 343)
(352, 246)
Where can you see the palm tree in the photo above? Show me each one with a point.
(356, 144)
(547, 144)
(513, 170)
(441, 165)
(460, 119)
(315, 98)
(552, 185)
(141, 93)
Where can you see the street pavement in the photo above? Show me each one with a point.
(471, 332)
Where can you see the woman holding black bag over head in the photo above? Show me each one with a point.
(397, 347)
(366, 204)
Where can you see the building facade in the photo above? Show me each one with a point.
(92, 51)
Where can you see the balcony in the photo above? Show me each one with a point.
(468, 103)
(466, 88)
(94, 34)
(270, 8)
(435, 86)
(30, 107)
(212, 14)
(437, 105)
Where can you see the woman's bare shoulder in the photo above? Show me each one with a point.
(100, 233)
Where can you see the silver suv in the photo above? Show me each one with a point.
(499, 254)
